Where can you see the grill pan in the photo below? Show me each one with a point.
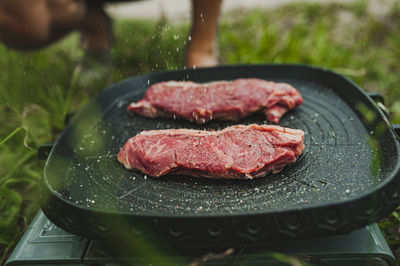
(347, 177)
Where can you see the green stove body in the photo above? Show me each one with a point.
(46, 244)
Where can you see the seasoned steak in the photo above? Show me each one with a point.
(223, 100)
(234, 152)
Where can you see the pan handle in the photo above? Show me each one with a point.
(68, 117)
(44, 150)
(376, 97)
(381, 104)
(380, 101)
(396, 128)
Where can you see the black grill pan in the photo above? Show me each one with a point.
(346, 178)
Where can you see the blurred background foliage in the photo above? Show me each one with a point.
(37, 90)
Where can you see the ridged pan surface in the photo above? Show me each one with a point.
(346, 154)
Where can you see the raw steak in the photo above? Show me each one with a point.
(234, 152)
(223, 100)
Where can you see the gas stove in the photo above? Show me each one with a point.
(45, 243)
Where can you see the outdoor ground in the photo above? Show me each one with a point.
(38, 89)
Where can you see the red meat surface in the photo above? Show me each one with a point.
(223, 100)
(235, 152)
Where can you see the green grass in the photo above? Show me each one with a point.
(36, 91)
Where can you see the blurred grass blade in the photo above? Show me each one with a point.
(396, 215)
(15, 131)
(288, 259)
(9, 247)
(10, 205)
(25, 157)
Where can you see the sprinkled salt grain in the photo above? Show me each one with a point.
(145, 177)
(347, 191)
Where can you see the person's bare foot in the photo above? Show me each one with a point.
(201, 50)
(200, 56)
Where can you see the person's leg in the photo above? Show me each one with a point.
(93, 73)
(201, 50)
(32, 24)
(96, 30)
